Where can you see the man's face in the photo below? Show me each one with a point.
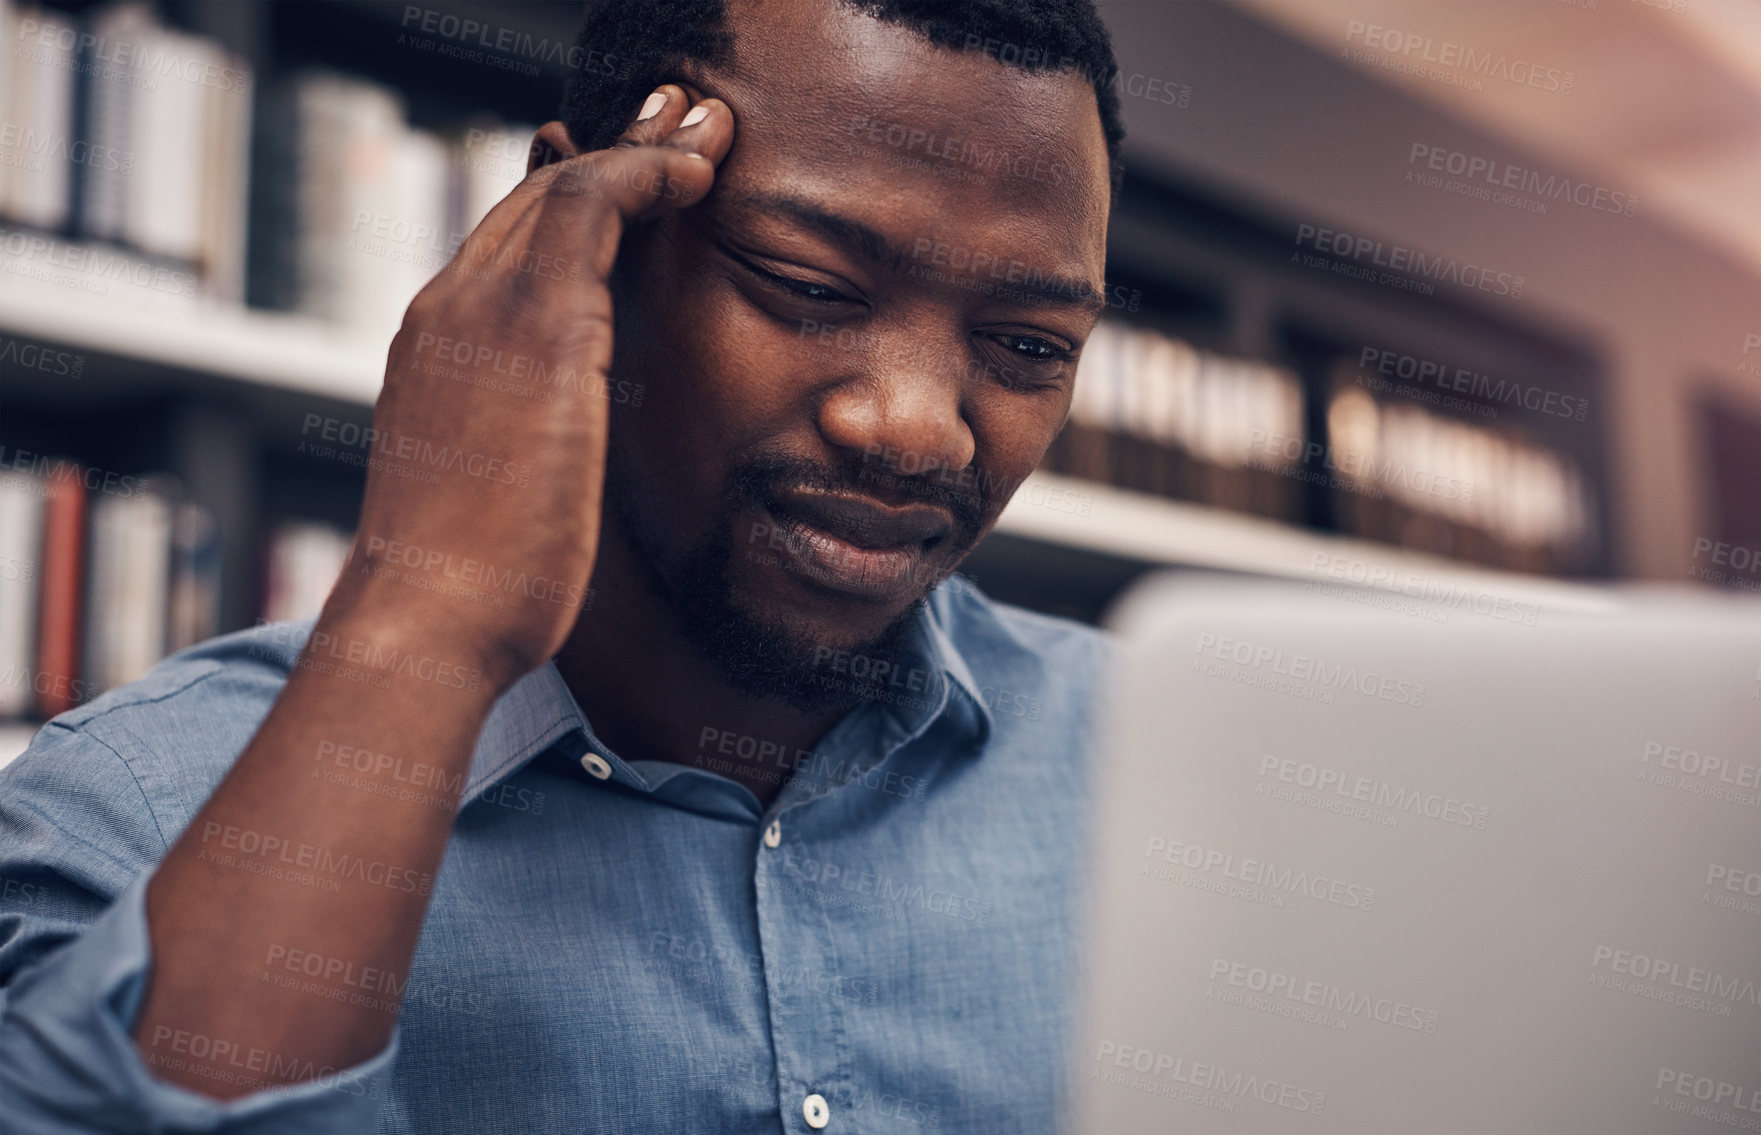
(855, 349)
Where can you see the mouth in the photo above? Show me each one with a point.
(855, 545)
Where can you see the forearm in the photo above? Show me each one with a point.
(284, 920)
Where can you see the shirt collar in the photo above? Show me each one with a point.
(538, 710)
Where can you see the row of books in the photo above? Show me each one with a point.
(151, 183)
(1156, 414)
(364, 208)
(158, 167)
(103, 575)
(1153, 413)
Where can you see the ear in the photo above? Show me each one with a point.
(551, 144)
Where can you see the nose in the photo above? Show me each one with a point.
(903, 414)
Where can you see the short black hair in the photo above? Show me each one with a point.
(629, 47)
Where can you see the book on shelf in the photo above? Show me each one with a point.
(1155, 414)
(57, 681)
(21, 572)
(36, 116)
(369, 209)
(303, 562)
(103, 576)
(146, 200)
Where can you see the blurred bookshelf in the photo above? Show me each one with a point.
(173, 321)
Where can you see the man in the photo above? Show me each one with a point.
(749, 832)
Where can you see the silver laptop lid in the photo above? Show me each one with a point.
(1365, 866)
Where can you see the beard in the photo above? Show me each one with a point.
(769, 654)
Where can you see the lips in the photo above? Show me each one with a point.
(854, 544)
(862, 521)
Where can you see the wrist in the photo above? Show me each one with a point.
(401, 634)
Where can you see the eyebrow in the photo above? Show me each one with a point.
(1052, 288)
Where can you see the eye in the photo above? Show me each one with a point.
(806, 289)
(1034, 349)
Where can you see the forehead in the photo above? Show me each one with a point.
(922, 141)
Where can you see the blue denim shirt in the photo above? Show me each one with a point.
(619, 951)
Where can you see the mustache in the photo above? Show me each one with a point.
(763, 479)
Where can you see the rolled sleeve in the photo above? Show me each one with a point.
(68, 1062)
(82, 829)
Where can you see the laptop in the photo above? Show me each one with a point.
(1365, 862)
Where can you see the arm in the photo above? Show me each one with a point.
(465, 472)
(279, 860)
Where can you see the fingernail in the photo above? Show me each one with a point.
(652, 106)
(695, 115)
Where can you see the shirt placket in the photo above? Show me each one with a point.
(797, 942)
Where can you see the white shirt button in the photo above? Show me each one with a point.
(773, 835)
(595, 764)
(815, 1111)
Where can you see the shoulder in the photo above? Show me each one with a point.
(149, 753)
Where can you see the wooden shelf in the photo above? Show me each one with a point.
(1075, 513)
(270, 349)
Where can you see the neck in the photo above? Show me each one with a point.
(652, 695)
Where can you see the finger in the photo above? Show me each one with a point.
(658, 116)
(707, 129)
(632, 185)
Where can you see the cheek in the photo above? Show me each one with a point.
(1013, 432)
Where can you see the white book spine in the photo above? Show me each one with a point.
(21, 574)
